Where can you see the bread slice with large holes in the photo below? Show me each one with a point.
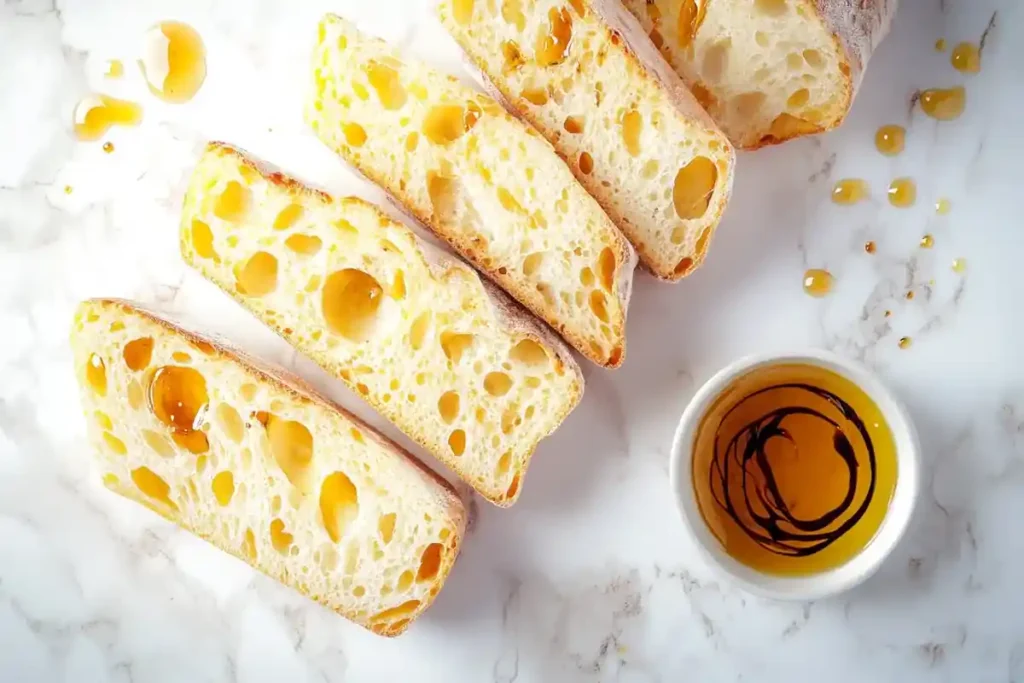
(447, 357)
(768, 70)
(255, 462)
(481, 180)
(586, 77)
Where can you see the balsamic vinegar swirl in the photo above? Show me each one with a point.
(778, 529)
(794, 467)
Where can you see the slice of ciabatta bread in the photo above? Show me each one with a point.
(454, 363)
(480, 179)
(587, 78)
(258, 464)
(768, 70)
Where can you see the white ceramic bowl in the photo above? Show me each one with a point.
(865, 563)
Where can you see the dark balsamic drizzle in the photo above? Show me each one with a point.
(747, 449)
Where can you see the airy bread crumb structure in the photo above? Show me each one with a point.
(448, 358)
(623, 121)
(256, 463)
(768, 70)
(480, 179)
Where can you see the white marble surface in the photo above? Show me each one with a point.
(589, 577)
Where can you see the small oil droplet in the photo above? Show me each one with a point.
(942, 206)
(905, 342)
(943, 104)
(966, 58)
(889, 140)
(108, 147)
(95, 114)
(869, 247)
(115, 69)
(927, 242)
(909, 296)
(818, 282)
(173, 61)
(940, 44)
(849, 191)
(888, 314)
(902, 193)
(68, 189)
(959, 265)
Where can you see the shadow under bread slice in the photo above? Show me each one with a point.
(481, 179)
(444, 355)
(251, 459)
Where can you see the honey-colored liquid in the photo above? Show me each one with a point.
(115, 69)
(902, 193)
(794, 468)
(173, 61)
(905, 343)
(850, 191)
(942, 206)
(870, 247)
(940, 45)
(95, 114)
(818, 282)
(959, 265)
(889, 140)
(944, 104)
(966, 58)
(927, 242)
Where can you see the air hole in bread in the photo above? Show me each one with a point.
(586, 163)
(497, 383)
(599, 305)
(771, 8)
(339, 504)
(512, 55)
(441, 190)
(249, 546)
(137, 353)
(794, 62)
(586, 277)
(716, 60)
(678, 234)
(693, 187)
(103, 419)
(690, 19)
(258, 277)
(233, 202)
(306, 245)
(534, 95)
(430, 562)
(446, 123)
(288, 216)
(683, 267)
(532, 263)
(512, 13)
(798, 98)
(411, 141)
(230, 422)
(386, 83)
(418, 333)
(223, 487)
(761, 38)
(632, 124)
(513, 488)
(291, 445)
(202, 240)
(355, 135)
(504, 462)
(386, 527)
(455, 344)
(178, 398)
(405, 581)
(814, 58)
(508, 202)
(448, 406)
(457, 442)
(553, 39)
(748, 104)
(153, 486)
(96, 375)
(573, 124)
(115, 444)
(181, 357)
(350, 303)
(279, 538)
(529, 353)
(508, 420)
(606, 268)
(393, 614)
(462, 11)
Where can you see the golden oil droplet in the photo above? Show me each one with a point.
(959, 265)
(889, 140)
(888, 314)
(905, 342)
(173, 61)
(115, 69)
(909, 296)
(68, 189)
(869, 247)
(966, 58)
(95, 114)
(927, 242)
(849, 191)
(942, 206)
(940, 44)
(108, 147)
(943, 104)
(818, 282)
(902, 192)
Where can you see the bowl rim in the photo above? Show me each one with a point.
(866, 562)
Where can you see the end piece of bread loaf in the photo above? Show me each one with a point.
(586, 77)
(256, 463)
(481, 180)
(450, 360)
(768, 70)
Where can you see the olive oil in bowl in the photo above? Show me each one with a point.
(793, 469)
